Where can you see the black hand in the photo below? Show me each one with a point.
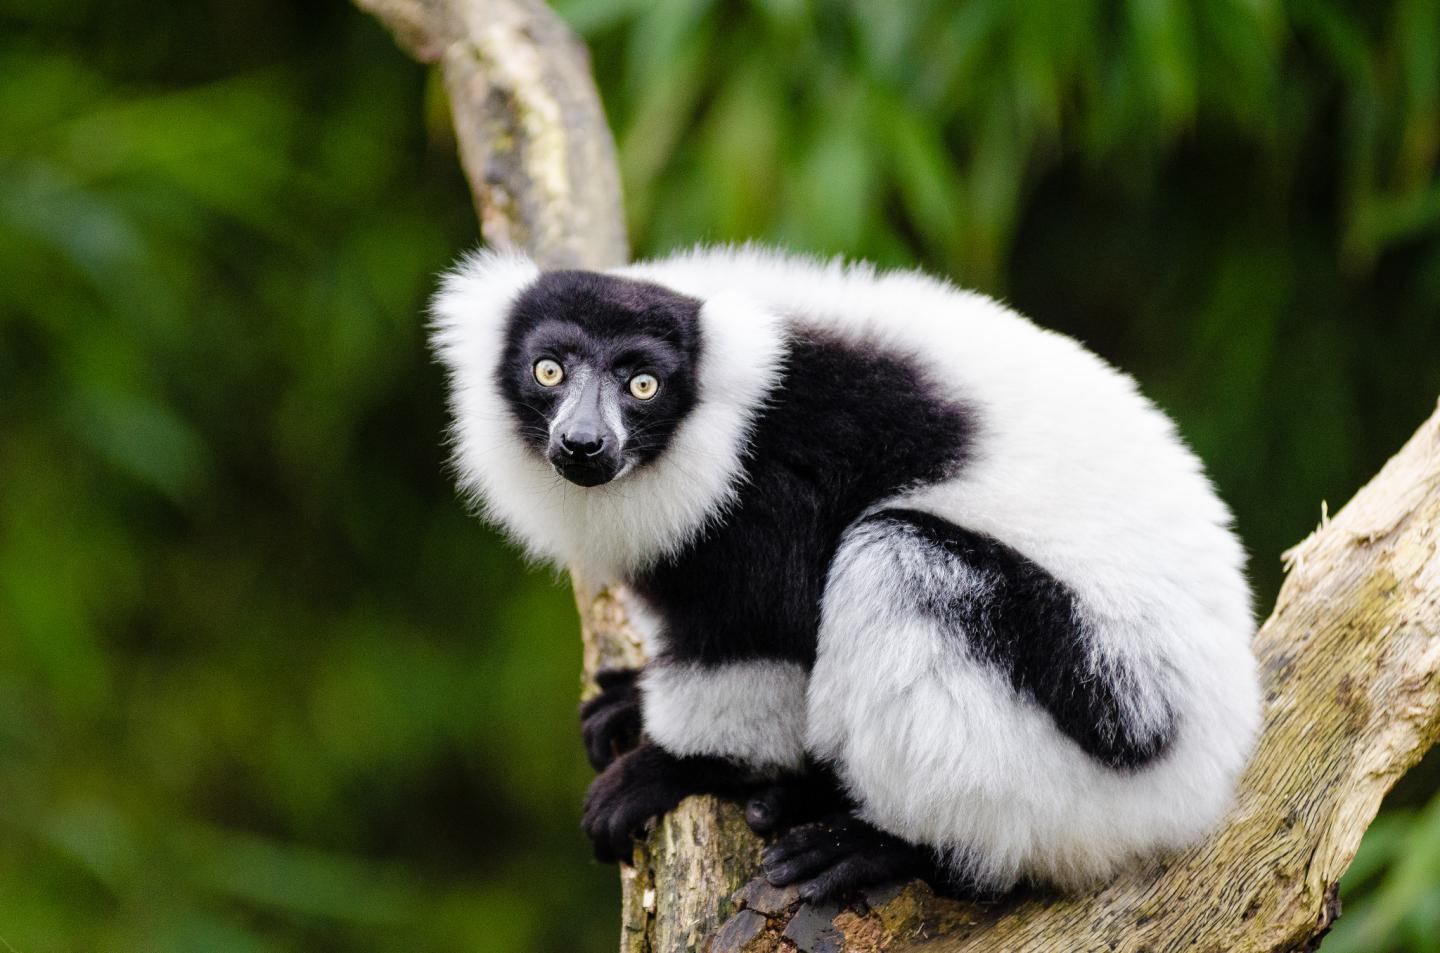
(839, 855)
(610, 722)
(642, 784)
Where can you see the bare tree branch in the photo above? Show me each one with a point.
(532, 133)
(1351, 655)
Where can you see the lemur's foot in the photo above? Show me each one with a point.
(793, 800)
(642, 784)
(610, 722)
(840, 855)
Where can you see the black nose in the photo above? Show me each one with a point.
(582, 443)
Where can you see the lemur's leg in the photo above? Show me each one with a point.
(972, 704)
(749, 711)
(648, 782)
(610, 722)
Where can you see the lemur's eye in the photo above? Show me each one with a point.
(548, 372)
(643, 386)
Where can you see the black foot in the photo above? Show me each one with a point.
(796, 799)
(642, 784)
(840, 855)
(610, 722)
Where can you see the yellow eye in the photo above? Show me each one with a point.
(643, 386)
(548, 372)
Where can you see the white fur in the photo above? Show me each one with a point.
(940, 749)
(1071, 467)
(617, 529)
(752, 711)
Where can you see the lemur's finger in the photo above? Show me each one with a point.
(609, 733)
(608, 678)
(805, 852)
(603, 827)
(627, 823)
(600, 846)
(856, 872)
(823, 835)
(609, 698)
(619, 845)
(800, 867)
(599, 808)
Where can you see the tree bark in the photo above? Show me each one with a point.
(1350, 656)
(532, 133)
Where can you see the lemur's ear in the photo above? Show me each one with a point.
(468, 311)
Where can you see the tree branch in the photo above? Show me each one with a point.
(1351, 655)
(532, 133)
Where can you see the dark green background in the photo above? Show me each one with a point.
(265, 686)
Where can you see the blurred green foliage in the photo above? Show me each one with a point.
(265, 686)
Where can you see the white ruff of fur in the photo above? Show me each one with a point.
(617, 529)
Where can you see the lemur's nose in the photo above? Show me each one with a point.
(582, 443)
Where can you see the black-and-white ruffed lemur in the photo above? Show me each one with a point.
(937, 588)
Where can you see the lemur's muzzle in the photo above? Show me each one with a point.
(582, 448)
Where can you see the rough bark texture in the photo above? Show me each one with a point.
(1351, 654)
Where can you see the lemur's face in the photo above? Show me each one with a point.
(599, 371)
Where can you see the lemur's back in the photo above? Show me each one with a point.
(1070, 464)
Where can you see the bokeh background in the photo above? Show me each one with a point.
(265, 686)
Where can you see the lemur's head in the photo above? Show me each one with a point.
(601, 419)
(599, 371)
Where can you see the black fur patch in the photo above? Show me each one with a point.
(610, 722)
(1026, 623)
(845, 428)
(618, 326)
(839, 855)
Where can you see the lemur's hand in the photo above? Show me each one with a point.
(642, 784)
(839, 855)
(610, 722)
